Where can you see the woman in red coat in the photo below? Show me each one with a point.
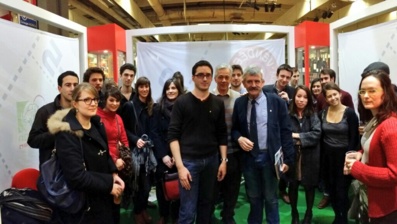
(377, 169)
(114, 126)
(115, 131)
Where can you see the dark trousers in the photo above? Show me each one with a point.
(229, 187)
(141, 196)
(282, 185)
(116, 213)
(338, 182)
(322, 182)
(293, 196)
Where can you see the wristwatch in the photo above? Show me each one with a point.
(224, 159)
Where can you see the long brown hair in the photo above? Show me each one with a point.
(167, 84)
(389, 104)
(149, 101)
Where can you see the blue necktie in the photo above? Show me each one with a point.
(254, 130)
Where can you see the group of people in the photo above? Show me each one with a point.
(213, 137)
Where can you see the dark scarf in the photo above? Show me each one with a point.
(167, 107)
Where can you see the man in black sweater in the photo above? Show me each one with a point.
(197, 134)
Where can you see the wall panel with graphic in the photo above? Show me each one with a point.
(30, 63)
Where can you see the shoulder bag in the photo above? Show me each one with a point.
(171, 186)
(54, 188)
(125, 155)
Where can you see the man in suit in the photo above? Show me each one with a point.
(261, 126)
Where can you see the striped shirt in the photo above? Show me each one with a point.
(228, 100)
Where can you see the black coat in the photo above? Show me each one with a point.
(135, 123)
(310, 134)
(271, 88)
(159, 131)
(39, 137)
(93, 175)
(278, 127)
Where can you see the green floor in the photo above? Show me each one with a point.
(320, 216)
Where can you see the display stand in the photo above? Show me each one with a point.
(106, 49)
(312, 49)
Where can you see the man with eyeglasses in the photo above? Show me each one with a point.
(197, 135)
(95, 76)
(285, 92)
(229, 187)
(237, 78)
(39, 136)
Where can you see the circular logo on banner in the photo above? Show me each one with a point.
(257, 56)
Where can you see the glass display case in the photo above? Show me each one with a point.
(318, 59)
(120, 58)
(300, 63)
(103, 60)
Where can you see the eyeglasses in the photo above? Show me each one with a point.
(202, 75)
(89, 101)
(370, 92)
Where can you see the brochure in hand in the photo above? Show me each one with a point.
(278, 162)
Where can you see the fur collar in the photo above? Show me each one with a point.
(61, 120)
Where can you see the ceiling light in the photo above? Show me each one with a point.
(330, 13)
(316, 19)
(272, 7)
(266, 7)
(324, 15)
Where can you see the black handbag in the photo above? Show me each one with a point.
(52, 185)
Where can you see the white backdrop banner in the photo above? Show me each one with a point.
(359, 48)
(30, 63)
(158, 61)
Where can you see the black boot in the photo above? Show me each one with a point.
(295, 217)
(308, 217)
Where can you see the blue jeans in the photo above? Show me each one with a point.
(261, 188)
(196, 203)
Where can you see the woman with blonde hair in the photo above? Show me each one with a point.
(83, 155)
